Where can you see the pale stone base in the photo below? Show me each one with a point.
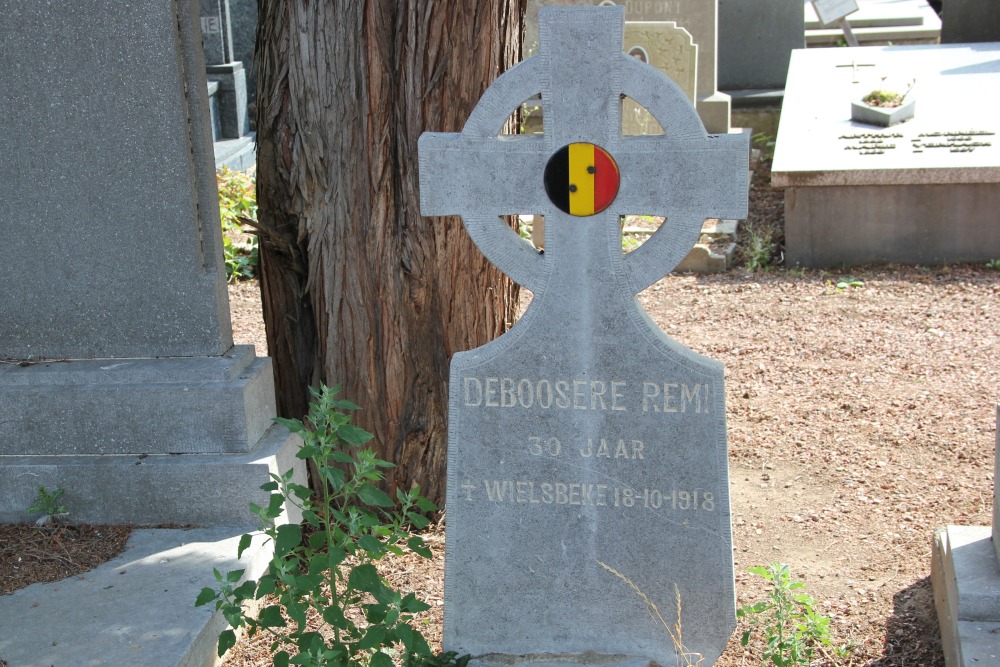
(966, 582)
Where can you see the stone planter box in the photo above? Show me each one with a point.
(883, 116)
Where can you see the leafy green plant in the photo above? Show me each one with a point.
(845, 284)
(885, 98)
(993, 264)
(764, 143)
(49, 506)
(759, 250)
(791, 628)
(242, 259)
(237, 210)
(328, 570)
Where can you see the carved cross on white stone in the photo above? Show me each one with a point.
(584, 434)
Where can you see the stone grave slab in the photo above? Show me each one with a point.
(119, 381)
(671, 50)
(925, 191)
(564, 452)
(699, 17)
(878, 22)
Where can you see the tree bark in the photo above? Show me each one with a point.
(358, 289)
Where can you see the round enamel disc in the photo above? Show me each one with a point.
(581, 179)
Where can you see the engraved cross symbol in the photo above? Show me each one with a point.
(854, 65)
(581, 73)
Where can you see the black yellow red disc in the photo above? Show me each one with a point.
(581, 179)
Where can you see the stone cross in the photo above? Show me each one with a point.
(854, 65)
(603, 441)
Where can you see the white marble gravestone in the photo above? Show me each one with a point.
(602, 440)
(922, 192)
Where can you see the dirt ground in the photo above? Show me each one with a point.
(860, 418)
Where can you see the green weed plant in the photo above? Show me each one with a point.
(329, 570)
(792, 630)
(759, 250)
(237, 207)
(49, 505)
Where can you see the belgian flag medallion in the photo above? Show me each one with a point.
(581, 179)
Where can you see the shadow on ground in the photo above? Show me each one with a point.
(912, 636)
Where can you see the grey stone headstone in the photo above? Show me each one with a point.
(243, 15)
(120, 382)
(585, 435)
(216, 32)
(970, 21)
(111, 236)
(756, 39)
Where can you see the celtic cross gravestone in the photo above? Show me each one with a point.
(603, 441)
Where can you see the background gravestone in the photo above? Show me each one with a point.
(216, 32)
(227, 79)
(756, 39)
(876, 22)
(669, 49)
(921, 192)
(564, 449)
(970, 21)
(243, 14)
(699, 17)
(120, 383)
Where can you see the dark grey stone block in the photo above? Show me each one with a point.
(756, 39)
(243, 14)
(216, 32)
(232, 97)
(198, 489)
(136, 406)
(111, 237)
(970, 21)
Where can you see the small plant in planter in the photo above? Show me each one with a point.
(884, 107)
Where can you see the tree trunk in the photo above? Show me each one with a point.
(358, 289)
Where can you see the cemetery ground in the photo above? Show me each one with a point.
(860, 410)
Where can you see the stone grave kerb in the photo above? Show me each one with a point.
(532, 510)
